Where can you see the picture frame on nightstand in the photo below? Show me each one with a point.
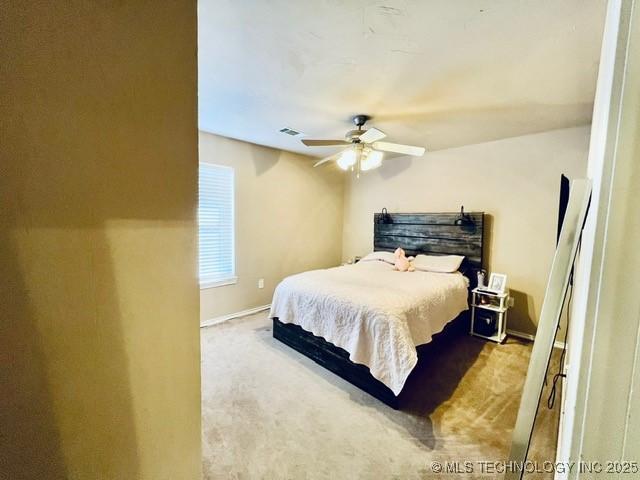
(497, 283)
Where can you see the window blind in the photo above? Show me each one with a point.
(216, 225)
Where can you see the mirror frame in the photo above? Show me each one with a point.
(557, 286)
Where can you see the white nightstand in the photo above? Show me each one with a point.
(489, 314)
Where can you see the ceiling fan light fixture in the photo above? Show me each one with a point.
(373, 160)
(365, 151)
(347, 159)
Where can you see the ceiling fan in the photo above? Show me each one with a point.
(364, 149)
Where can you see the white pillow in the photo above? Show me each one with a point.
(386, 257)
(438, 263)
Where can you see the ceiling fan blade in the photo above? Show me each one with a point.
(324, 143)
(399, 148)
(327, 159)
(372, 135)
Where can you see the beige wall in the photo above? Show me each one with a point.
(99, 339)
(514, 181)
(288, 220)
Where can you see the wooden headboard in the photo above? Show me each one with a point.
(431, 233)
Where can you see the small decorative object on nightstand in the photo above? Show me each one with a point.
(489, 314)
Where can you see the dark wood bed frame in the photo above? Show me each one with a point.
(430, 233)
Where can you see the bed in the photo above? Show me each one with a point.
(365, 322)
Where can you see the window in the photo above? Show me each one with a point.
(216, 225)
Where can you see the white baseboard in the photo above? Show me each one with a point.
(243, 313)
(528, 336)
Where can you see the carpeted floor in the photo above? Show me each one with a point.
(271, 413)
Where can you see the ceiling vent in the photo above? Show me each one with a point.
(289, 131)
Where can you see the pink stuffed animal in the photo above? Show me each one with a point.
(402, 263)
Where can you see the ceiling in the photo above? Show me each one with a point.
(435, 73)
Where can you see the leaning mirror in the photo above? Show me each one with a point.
(557, 285)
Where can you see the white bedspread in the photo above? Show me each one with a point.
(375, 313)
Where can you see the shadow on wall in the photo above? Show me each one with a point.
(522, 313)
(487, 242)
(86, 388)
(30, 437)
(84, 292)
(392, 167)
(62, 348)
(264, 159)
